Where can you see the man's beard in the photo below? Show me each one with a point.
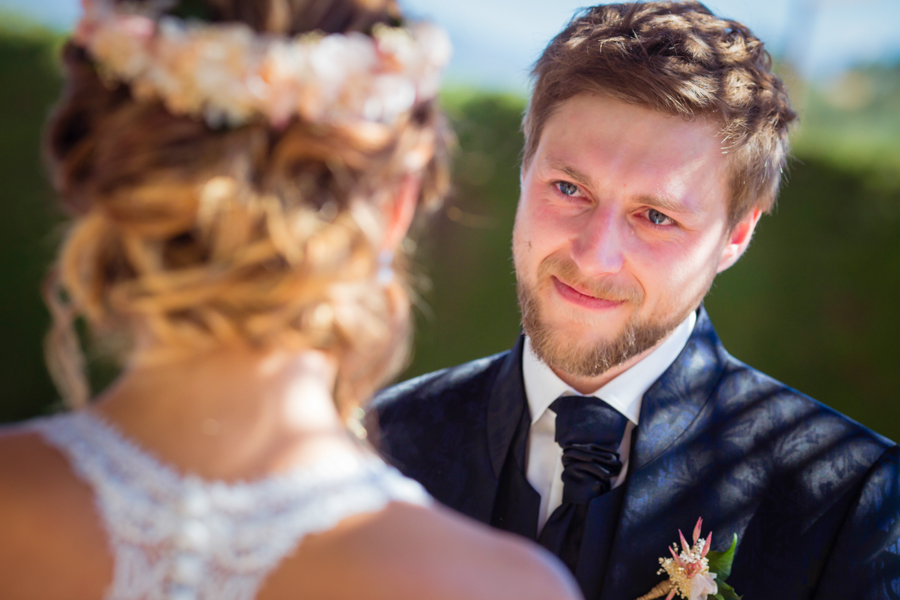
(564, 354)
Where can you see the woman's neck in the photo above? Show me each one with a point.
(232, 414)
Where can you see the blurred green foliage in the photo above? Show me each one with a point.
(813, 303)
(854, 119)
(29, 84)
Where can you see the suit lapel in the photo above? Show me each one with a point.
(469, 478)
(674, 401)
(506, 406)
(668, 410)
(516, 503)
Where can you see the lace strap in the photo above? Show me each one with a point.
(178, 536)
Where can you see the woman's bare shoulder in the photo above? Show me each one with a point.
(411, 552)
(482, 562)
(36, 482)
(29, 468)
(49, 523)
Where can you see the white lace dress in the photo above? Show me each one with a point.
(176, 537)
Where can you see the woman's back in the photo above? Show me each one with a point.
(94, 516)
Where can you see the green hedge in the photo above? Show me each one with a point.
(813, 303)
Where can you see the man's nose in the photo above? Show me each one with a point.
(598, 249)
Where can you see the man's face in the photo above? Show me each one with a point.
(620, 229)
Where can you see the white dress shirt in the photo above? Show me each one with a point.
(624, 393)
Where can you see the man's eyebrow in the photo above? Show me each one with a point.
(574, 174)
(664, 203)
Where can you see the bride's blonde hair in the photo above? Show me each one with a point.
(185, 238)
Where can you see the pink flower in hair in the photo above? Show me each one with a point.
(229, 75)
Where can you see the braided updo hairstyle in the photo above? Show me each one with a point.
(185, 238)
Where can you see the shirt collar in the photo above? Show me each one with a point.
(624, 393)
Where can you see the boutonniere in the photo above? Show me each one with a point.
(695, 573)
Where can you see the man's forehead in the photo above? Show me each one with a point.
(599, 110)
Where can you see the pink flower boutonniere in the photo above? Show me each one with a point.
(695, 573)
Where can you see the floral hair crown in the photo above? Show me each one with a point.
(229, 75)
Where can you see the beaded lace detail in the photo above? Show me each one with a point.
(176, 537)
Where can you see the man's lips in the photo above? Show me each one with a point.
(583, 300)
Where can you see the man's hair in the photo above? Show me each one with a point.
(680, 59)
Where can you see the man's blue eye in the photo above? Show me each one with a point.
(569, 189)
(656, 217)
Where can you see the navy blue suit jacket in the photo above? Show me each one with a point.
(813, 497)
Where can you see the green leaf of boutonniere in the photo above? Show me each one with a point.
(726, 592)
(720, 563)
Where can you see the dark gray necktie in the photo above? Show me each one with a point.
(589, 431)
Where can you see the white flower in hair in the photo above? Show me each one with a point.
(229, 75)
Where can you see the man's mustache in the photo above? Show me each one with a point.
(567, 272)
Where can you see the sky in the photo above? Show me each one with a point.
(496, 41)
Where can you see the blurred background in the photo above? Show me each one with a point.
(814, 303)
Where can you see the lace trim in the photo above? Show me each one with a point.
(181, 537)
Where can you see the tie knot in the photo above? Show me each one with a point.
(587, 420)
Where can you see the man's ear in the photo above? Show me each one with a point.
(738, 239)
(399, 211)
